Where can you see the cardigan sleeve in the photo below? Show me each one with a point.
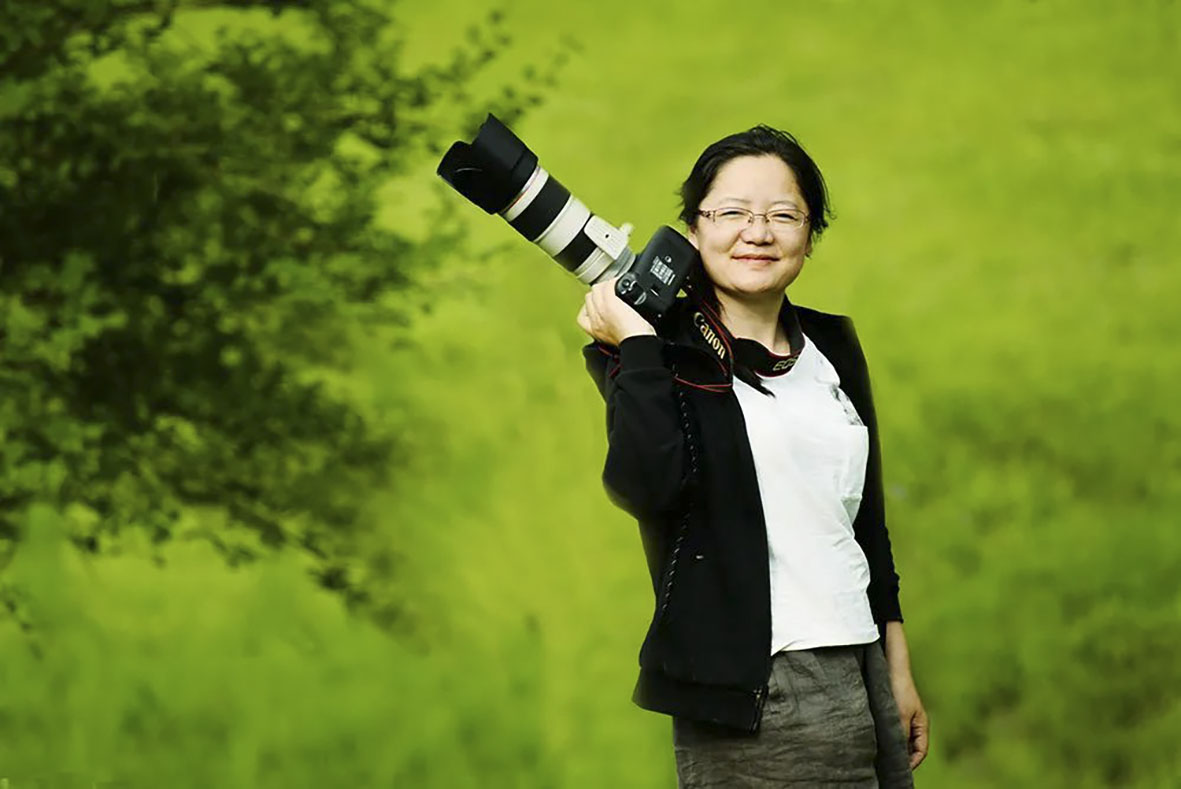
(870, 525)
(645, 469)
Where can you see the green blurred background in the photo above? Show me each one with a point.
(1005, 177)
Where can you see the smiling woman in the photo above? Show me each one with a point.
(750, 262)
(776, 642)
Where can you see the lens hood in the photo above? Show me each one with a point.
(492, 169)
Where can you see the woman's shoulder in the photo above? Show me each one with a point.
(811, 315)
(832, 331)
(821, 321)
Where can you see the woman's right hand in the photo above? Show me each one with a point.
(608, 318)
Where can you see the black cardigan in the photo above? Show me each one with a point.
(679, 461)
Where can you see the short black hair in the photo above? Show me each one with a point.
(761, 140)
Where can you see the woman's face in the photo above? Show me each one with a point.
(756, 262)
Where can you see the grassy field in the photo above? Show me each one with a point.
(1005, 176)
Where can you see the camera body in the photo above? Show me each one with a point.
(653, 281)
(499, 173)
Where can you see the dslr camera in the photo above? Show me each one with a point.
(499, 173)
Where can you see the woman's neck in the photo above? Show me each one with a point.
(756, 320)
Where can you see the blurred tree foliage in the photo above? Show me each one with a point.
(187, 249)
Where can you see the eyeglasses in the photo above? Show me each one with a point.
(737, 219)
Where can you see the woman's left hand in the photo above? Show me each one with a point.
(915, 725)
(914, 717)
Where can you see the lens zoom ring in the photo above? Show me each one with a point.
(541, 212)
(576, 252)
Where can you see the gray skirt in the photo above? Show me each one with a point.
(829, 720)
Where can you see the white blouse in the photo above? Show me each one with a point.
(810, 449)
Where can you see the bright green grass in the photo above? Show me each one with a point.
(1005, 176)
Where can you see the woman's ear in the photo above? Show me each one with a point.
(692, 235)
(808, 249)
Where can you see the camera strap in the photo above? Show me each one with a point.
(732, 357)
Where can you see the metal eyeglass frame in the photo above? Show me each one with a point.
(750, 217)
